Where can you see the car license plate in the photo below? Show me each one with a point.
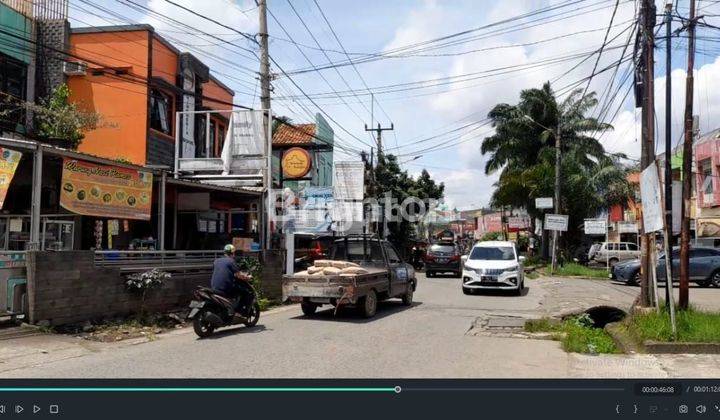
(489, 278)
(442, 260)
(197, 304)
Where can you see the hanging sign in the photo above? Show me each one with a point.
(296, 163)
(106, 191)
(9, 160)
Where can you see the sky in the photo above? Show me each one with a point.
(438, 126)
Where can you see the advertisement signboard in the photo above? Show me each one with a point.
(349, 180)
(627, 227)
(556, 222)
(313, 213)
(595, 226)
(519, 222)
(9, 160)
(93, 189)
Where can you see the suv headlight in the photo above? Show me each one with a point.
(474, 270)
(511, 269)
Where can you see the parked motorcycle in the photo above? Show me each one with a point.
(210, 311)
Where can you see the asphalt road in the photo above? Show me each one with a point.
(430, 339)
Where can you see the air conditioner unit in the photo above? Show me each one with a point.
(75, 68)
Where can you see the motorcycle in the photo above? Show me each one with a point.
(209, 311)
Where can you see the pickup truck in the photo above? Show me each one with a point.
(388, 276)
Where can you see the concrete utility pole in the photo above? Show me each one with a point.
(647, 145)
(265, 231)
(380, 154)
(668, 152)
(556, 234)
(687, 167)
(378, 132)
(264, 56)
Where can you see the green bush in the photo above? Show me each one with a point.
(692, 326)
(576, 334)
(573, 269)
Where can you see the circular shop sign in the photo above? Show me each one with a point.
(296, 163)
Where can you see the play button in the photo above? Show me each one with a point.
(19, 409)
(35, 409)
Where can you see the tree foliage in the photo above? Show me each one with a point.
(522, 150)
(58, 119)
(390, 178)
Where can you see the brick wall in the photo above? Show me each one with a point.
(66, 287)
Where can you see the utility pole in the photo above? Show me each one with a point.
(647, 145)
(687, 167)
(264, 56)
(556, 234)
(380, 161)
(378, 133)
(668, 152)
(265, 231)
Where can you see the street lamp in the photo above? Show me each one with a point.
(556, 133)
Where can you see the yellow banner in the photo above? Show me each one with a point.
(107, 191)
(9, 160)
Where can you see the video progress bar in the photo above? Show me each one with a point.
(201, 389)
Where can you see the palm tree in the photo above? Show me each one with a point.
(523, 151)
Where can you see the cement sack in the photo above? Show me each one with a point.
(331, 271)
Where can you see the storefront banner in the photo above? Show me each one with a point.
(9, 160)
(106, 191)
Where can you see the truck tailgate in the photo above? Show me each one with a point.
(295, 287)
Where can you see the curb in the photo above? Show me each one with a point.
(658, 347)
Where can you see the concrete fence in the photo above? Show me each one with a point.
(68, 287)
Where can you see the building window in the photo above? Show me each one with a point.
(13, 83)
(706, 171)
(160, 109)
(221, 138)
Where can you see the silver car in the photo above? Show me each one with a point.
(614, 252)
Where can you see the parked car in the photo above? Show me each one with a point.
(704, 268)
(614, 252)
(493, 265)
(443, 257)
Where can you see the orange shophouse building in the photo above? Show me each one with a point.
(137, 80)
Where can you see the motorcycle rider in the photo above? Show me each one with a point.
(225, 276)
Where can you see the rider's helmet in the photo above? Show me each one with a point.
(229, 249)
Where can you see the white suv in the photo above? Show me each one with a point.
(493, 265)
(614, 252)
